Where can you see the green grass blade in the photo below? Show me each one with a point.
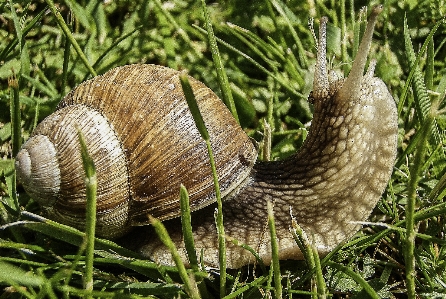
(438, 192)
(356, 277)
(422, 102)
(415, 62)
(25, 62)
(187, 228)
(24, 32)
(9, 203)
(91, 189)
(415, 176)
(257, 45)
(287, 15)
(331, 13)
(96, 9)
(70, 36)
(320, 282)
(255, 283)
(16, 126)
(343, 43)
(178, 28)
(273, 15)
(45, 88)
(189, 281)
(193, 106)
(81, 14)
(218, 65)
(274, 252)
(279, 80)
(251, 250)
(312, 259)
(429, 72)
(302, 242)
(265, 49)
(112, 46)
(415, 142)
(16, 276)
(16, 138)
(66, 233)
(66, 54)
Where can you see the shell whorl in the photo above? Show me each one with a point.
(63, 173)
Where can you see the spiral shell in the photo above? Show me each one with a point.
(144, 143)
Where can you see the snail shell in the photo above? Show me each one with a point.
(144, 143)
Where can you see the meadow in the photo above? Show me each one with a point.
(268, 53)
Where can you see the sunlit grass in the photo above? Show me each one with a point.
(268, 52)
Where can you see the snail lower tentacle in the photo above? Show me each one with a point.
(330, 185)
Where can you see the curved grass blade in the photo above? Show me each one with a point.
(218, 65)
(356, 277)
(91, 186)
(70, 36)
(274, 252)
(189, 281)
(187, 228)
(193, 106)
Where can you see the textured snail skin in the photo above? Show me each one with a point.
(335, 179)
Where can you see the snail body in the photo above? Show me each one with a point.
(330, 184)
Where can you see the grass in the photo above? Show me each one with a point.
(268, 52)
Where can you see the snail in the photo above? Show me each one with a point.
(144, 144)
